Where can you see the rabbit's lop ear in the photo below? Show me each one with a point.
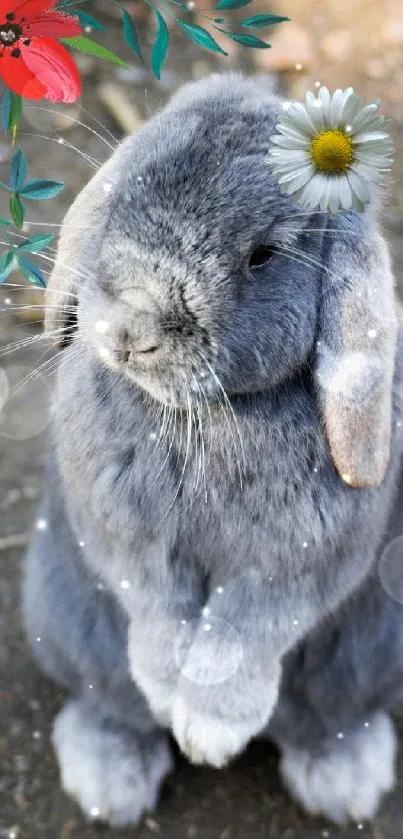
(85, 216)
(355, 350)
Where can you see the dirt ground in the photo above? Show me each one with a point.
(245, 801)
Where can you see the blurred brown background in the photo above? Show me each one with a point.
(358, 43)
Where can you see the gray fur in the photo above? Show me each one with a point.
(260, 553)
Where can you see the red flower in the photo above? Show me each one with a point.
(32, 63)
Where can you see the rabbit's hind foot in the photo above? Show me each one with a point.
(350, 774)
(113, 773)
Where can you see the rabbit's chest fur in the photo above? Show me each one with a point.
(257, 485)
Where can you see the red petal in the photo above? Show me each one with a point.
(54, 25)
(19, 78)
(28, 8)
(54, 67)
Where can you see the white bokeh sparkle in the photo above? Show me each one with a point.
(101, 326)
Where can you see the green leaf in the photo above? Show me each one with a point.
(248, 40)
(258, 21)
(160, 47)
(130, 34)
(6, 265)
(200, 36)
(6, 111)
(31, 271)
(36, 243)
(11, 110)
(5, 222)
(15, 114)
(18, 170)
(87, 20)
(80, 42)
(41, 188)
(17, 210)
(232, 4)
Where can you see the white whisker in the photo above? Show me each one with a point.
(72, 119)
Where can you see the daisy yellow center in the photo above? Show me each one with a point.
(332, 152)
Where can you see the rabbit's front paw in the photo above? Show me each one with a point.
(351, 775)
(205, 738)
(112, 773)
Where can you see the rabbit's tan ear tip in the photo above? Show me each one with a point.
(357, 481)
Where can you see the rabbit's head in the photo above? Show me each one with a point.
(194, 275)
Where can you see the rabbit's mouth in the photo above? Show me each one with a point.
(178, 388)
(180, 376)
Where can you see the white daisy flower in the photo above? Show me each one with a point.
(329, 151)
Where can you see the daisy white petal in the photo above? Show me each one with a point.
(346, 94)
(364, 117)
(345, 195)
(334, 195)
(356, 203)
(375, 160)
(379, 122)
(315, 111)
(279, 162)
(295, 180)
(290, 142)
(336, 108)
(314, 189)
(351, 108)
(285, 155)
(358, 186)
(326, 101)
(285, 177)
(289, 129)
(367, 173)
(324, 201)
(298, 116)
(367, 136)
(384, 146)
(363, 125)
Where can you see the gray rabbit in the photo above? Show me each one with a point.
(224, 472)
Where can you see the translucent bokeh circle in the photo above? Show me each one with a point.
(390, 569)
(355, 376)
(208, 651)
(52, 118)
(25, 412)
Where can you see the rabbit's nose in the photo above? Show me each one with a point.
(143, 339)
(142, 335)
